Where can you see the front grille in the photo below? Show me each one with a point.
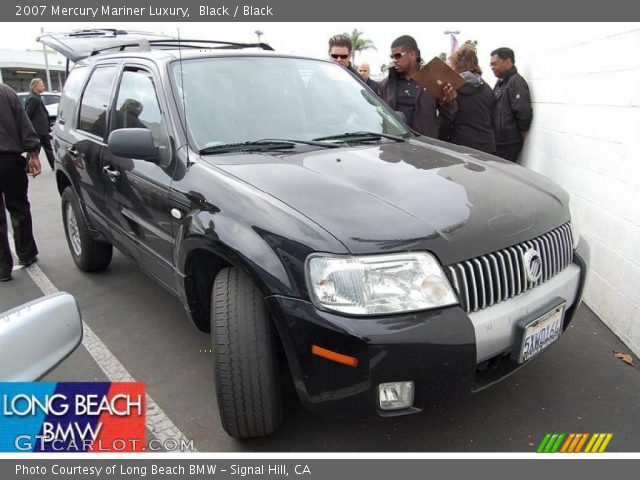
(493, 278)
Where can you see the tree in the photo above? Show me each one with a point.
(473, 44)
(359, 44)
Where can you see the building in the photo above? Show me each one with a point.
(584, 136)
(17, 68)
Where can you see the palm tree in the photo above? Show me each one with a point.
(359, 44)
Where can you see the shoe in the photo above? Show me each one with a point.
(29, 261)
(6, 279)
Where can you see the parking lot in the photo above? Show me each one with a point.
(577, 386)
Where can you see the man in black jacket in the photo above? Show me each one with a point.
(420, 108)
(364, 71)
(513, 113)
(16, 136)
(340, 48)
(39, 117)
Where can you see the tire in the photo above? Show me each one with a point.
(88, 254)
(245, 357)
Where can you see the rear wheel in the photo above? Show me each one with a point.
(88, 254)
(245, 357)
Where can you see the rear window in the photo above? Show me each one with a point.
(71, 93)
(95, 101)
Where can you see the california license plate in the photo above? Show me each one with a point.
(540, 333)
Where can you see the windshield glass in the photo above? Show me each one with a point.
(242, 99)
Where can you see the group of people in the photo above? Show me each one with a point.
(494, 121)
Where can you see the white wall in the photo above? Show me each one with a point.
(585, 82)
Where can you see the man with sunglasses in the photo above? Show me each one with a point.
(421, 109)
(340, 47)
(512, 112)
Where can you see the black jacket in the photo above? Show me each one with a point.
(428, 108)
(472, 125)
(16, 132)
(37, 113)
(372, 84)
(513, 112)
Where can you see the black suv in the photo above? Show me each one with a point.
(309, 230)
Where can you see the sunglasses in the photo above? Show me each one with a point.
(343, 56)
(398, 55)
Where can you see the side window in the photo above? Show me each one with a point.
(71, 93)
(137, 104)
(95, 101)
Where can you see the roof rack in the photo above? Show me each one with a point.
(147, 45)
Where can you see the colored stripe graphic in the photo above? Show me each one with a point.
(555, 447)
(598, 443)
(574, 443)
(551, 443)
(543, 443)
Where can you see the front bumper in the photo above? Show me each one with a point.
(446, 352)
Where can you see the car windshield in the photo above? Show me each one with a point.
(245, 99)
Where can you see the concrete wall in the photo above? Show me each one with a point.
(585, 82)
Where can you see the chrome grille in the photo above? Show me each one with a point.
(493, 278)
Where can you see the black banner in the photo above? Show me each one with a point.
(315, 11)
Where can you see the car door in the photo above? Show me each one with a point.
(137, 191)
(83, 142)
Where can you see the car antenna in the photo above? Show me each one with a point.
(184, 103)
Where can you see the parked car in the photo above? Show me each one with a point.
(309, 230)
(37, 336)
(50, 100)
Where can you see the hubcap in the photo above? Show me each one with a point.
(72, 230)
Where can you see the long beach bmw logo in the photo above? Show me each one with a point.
(532, 265)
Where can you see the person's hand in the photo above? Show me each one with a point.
(450, 93)
(34, 165)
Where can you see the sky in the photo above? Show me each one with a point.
(310, 38)
(307, 39)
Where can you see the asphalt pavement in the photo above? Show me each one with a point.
(576, 386)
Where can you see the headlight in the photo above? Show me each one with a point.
(380, 284)
(575, 226)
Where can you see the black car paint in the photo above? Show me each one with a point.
(265, 213)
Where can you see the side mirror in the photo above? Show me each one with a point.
(37, 336)
(133, 143)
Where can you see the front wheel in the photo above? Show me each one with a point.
(89, 254)
(245, 357)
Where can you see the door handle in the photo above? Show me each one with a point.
(73, 152)
(111, 173)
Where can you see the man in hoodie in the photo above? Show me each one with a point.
(513, 113)
(420, 108)
(472, 125)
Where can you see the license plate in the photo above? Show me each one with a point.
(541, 333)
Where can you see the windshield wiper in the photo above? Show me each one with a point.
(314, 142)
(362, 137)
(257, 145)
(265, 144)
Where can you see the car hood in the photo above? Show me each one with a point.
(412, 195)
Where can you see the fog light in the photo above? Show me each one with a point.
(395, 395)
